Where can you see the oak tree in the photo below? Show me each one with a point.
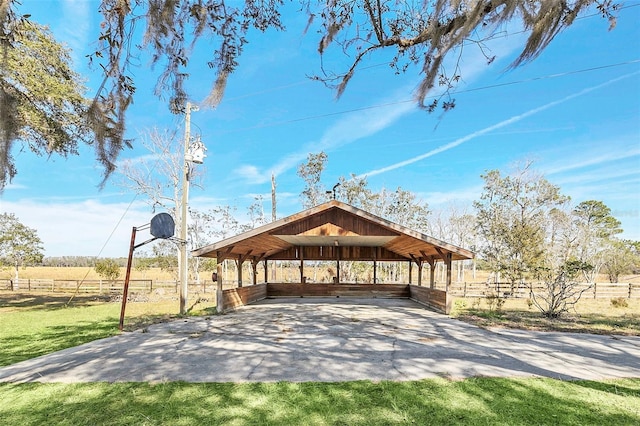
(42, 103)
(512, 214)
(19, 244)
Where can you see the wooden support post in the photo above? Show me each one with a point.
(254, 266)
(219, 293)
(240, 262)
(337, 265)
(432, 265)
(448, 264)
(266, 274)
(420, 273)
(301, 252)
(375, 274)
(410, 271)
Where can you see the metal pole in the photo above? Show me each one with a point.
(125, 290)
(184, 270)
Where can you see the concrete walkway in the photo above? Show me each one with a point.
(331, 340)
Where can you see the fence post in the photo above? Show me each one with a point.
(464, 292)
(629, 296)
(595, 290)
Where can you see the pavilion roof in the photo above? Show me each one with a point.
(331, 231)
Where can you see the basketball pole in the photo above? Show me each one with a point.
(125, 290)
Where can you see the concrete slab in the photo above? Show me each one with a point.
(331, 340)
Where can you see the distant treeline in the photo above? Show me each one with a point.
(77, 261)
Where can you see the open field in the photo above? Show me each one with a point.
(80, 273)
(478, 401)
(89, 273)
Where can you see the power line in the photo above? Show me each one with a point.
(493, 86)
(494, 37)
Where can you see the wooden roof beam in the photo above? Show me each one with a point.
(224, 254)
(418, 260)
(441, 253)
(430, 260)
(245, 256)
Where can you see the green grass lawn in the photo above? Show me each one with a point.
(32, 325)
(479, 401)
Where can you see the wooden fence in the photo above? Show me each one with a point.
(105, 286)
(471, 289)
(523, 291)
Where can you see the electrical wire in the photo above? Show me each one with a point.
(493, 86)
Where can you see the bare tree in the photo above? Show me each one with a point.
(560, 289)
(158, 175)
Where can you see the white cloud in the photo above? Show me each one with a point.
(607, 155)
(491, 128)
(85, 228)
(366, 122)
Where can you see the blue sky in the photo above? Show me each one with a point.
(575, 111)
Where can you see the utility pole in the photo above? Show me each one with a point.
(184, 269)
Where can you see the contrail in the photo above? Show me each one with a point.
(490, 128)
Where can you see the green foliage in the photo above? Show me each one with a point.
(512, 215)
(596, 217)
(594, 230)
(494, 302)
(42, 101)
(108, 269)
(165, 257)
(311, 173)
(143, 264)
(403, 208)
(19, 244)
(620, 257)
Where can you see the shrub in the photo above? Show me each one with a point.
(619, 302)
(494, 302)
(108, 269)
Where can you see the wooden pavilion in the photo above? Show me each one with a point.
(334, 232)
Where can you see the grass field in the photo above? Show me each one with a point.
(36, 324)
(599, 316)
(479, 401)
(79, 273)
